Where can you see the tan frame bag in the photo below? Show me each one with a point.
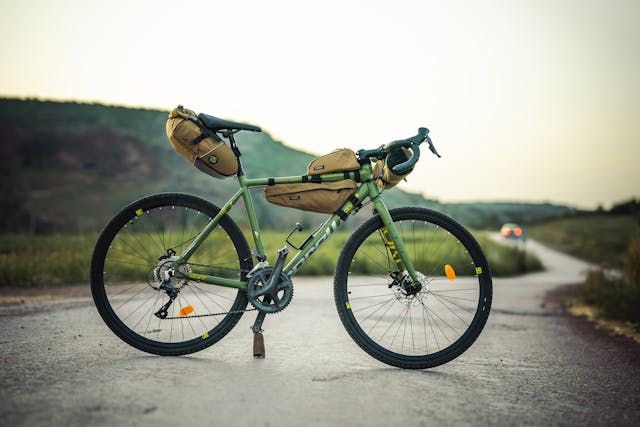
(325, 197)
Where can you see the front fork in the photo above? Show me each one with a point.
(394, 243)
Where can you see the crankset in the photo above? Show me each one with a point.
(269, 299)
(270, 290)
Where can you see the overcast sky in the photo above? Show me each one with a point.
(532, 100)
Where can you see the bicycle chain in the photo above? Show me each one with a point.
(209, 315)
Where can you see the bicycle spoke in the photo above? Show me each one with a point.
(136, 257)
(405, 321)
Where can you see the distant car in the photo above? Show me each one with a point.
(512, 231)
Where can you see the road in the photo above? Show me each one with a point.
(532, 365)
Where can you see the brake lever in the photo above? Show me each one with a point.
(432, 148)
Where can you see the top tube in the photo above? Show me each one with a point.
(364, 172)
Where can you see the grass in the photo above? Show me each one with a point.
(61, 259)
(600, 239)
(613, 243)
(614, 297)
(617, 296)
(508, 260)
(43, 261)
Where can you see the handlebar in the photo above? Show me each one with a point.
(413, 143)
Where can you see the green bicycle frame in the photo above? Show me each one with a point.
(367, 189)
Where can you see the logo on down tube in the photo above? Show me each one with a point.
(324, 237)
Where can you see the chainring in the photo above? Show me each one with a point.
(272, 302)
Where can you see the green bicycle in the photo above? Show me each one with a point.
(172, 274)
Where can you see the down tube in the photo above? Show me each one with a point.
(326, 230)
(318, 239)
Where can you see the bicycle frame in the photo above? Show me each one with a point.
(367, 189)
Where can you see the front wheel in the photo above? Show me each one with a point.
(133, 292)
(425, 325)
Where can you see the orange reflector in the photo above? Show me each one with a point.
(518, 232)
(450, 272)
(185, 311)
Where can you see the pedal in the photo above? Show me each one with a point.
(258, 345)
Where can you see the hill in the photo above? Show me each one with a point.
(69, 166)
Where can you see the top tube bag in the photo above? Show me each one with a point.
(340, 160)
(200, 146)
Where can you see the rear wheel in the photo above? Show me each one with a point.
(128, 269)
(413, 327)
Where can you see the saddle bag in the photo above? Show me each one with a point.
(313, 197)
(385, 178)
(340, 160)
(199, 145)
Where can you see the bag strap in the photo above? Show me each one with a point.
(206, 133)
(357, 204)
(199, 139)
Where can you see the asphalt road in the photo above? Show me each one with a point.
(532, 365)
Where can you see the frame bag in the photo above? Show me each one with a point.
(199, 145)
(322, 198)
(318, 197)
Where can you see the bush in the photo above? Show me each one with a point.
(632, 262)
(617, 297)
(508, 260)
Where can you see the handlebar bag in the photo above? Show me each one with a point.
(200, 146)
(313, 197)
(385, 178)
(340, 160)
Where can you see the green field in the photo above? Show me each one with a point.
(61, 259)
(613, 243)
(600, 239)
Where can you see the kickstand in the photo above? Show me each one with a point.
(258, 338)
(258, 345)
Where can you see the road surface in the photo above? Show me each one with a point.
(532, 365)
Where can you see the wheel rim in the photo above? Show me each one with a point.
(433, 320)
(134, 266)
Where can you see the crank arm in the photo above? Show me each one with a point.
(273, 286)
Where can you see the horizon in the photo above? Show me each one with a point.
(402, 185)
(532, 102)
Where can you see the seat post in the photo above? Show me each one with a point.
(236, 151)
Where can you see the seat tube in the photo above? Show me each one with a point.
(394, 241)
(251, 214)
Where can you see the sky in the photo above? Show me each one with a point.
(530, 100)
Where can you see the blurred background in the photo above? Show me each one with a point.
(527, 101)
(532, 104)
